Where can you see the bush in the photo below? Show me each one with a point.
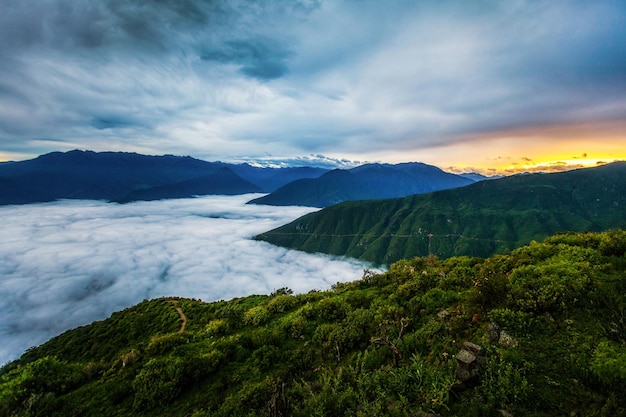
(517, 321)
(162, 344)
(503, 383)
(161, 380)
(491, 283)
(437, 298)
(609, 363)
(550, 287)
(217, 327)
(459, 273)
(37, 384)
(265, 357)
(330, 309)
(281, 303)
(256, 316)
(158, 383)
(613, 243)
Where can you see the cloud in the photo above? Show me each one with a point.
(355, 78)
(313, 160)
(258, 58)
(65, 264)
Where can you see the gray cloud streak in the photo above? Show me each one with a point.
(68, 263)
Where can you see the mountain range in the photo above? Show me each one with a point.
(478, 220)
(124, 177)
(365, 182)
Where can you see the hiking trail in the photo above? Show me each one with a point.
(183, 318)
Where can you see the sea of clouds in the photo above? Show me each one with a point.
(68, 263)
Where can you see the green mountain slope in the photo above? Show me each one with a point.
(478, 220)
(539, 332)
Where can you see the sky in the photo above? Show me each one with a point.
(68, 263)
(495, 86)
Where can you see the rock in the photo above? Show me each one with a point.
(493, 331)
(458, 386)
(505, 413)
(473, 347)
(469, 361)
(463, 374)
(465, 357)
(420, 414)
(443, 314)
(506, 340)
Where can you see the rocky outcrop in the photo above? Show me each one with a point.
(499, 336)
(469, 362)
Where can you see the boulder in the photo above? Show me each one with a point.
(469, 362)
(506, 340)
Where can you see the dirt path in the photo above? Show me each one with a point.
(181, 314)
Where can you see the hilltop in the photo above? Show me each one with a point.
(538, 332)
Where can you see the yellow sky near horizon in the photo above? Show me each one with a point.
(554, 148)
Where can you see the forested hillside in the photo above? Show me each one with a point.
(478, 220)
(537, 332)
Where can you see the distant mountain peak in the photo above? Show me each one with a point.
(365, 182)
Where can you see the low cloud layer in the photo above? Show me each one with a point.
(68, 263)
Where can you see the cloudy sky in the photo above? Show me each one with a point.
(485, 83)
(68, 263)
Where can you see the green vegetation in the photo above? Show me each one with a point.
(549, 320)
(482, 219)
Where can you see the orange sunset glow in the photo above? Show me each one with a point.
(533, 150)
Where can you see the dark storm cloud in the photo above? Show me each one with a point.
(95, 24)
(68, 263)
(112, 122)
(257, 58)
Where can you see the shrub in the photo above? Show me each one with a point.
(256, 316)
(517, 321)
(162, 344)
(161, 380)
(438, 298)
(35, 385)
(491, 282)
(586, 240)
(549, 287)
(281, 303)
(503, 383)
(265, 357)
(459, 273)
(294, 325)
(613, 243)
(158, 383)
(330, 309)
(217, 327)
(609, 363)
